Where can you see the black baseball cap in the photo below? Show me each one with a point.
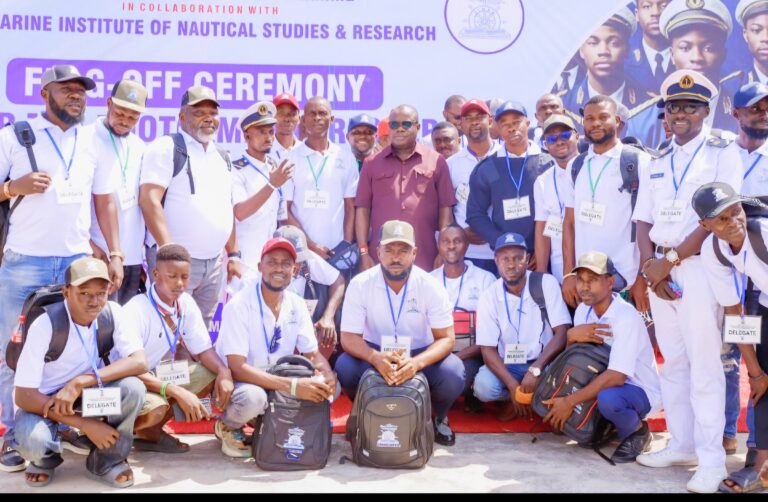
(712, 199)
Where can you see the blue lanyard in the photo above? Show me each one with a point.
(67, 165)
(279, 190)
(749, 171)
(557, 192)
(589, 312)
(519, 308)
(519, 182)
(95, 357)
(461, 283)
(395, 321)
(741, 291)
(267, 341)
(176, 335)
(672, 163)
(277, 152)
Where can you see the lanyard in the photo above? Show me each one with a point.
(395, 321)
(176, 335)
(519, 182)
(311, 168)
(749, 171)
(95, 357)
(279, 190)
(461, 283)
(519, 308)
(123, 165)
(589, 312)
(67, 165)
(672, 163)
(267, 342)
(593, 185)
(557, 192)
(741, 290)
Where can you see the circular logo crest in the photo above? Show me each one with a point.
(263, 110)
(694, 4)
(686, 82)
(484, 26)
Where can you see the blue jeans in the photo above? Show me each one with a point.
(36, 437)
(488, 387)
(731, 358)
(19, 276)
(624, 407)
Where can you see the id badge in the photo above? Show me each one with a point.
(671, 211)
(388, 344)
(592, 213)
(316, 199)
(176, 372)
(462, 194)
(745, 329)
(554, 227)
(311, 306)
(101, 402)
(516, 208)
(516, 353)
(127, 197)
(282, 210)
(68, 192)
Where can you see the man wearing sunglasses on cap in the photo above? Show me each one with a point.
(262, 323)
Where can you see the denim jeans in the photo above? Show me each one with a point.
(488, 387)
(19, 276)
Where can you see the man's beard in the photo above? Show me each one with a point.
(398, 277)
(608, 136)
(63, 114)
(112, 130)
(514, 282)
(755, 133)
(271, 287)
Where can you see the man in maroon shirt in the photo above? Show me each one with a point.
(407, 182)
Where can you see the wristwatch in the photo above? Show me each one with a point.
(672, 256)
(236, 254)
(533, 370)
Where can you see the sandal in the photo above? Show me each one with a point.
(747, 479)
(34, 469)
(166, 444)
(110, 477)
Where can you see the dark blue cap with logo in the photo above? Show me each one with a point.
(510, 239)
(362, 120)
(510, 107)
(749, 94)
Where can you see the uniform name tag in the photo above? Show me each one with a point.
(282, 210)
(671, 211)
(316, 199)
(100, 402)
(462, 193)
(311, 306)
(516, 353)
(592, 213)
(128, 197)
(67, 192)
(176, 372)
(742, 329)
(388, 344)
(516, 208)
(554, 227)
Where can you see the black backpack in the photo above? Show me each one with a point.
(26, 138)
(293, 434)
(572, 370)
(391, 426)
(50, 300)
(628, 163)
(180, 158)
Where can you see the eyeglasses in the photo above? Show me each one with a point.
(274, 344)
(564, 136)
(688, 108)
(406, 124)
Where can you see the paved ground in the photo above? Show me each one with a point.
(477, 463)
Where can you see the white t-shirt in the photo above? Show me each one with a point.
(279, 152)
(495, 329)
(202, 222)
(631, 350)
(550, 191)
(756, 182)
(657, 189)
(34, 373)
(614, 236)
(242, 331)
(129, 218)
(336, 182)
(721, 277)
(464, 292)
(366, 307)
(254, 231)
(41, 225)
(320, 271)
(460, 167)
(155, 333)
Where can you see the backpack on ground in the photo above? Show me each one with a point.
(293, 434)
(50, 300)
(181, 158)
(26, 138)
(390, 427)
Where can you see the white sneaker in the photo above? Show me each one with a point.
(232, 441)
(666, 458)
(707, 479)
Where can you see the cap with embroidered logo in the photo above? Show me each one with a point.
(510, 239)
(297, 238)
(680, 13)
(85, 269)
(258, 114)
(600, 264)
(198, 94)
(130, 94)
(713, 198)
(687, 84)
(397, 231)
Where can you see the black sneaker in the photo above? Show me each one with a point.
(11, 461)
(633, 445)
(75, 442)
(443, 433)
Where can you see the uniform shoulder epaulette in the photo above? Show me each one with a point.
(240, 163)
(663, 150)
(644, 106)
(735, 74)
(561, 93)
(718, 142)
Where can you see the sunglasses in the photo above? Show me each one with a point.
(274, 344)
(688, 108)
(564, 136)
(406, 124)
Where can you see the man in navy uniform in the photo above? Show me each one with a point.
(649, 60)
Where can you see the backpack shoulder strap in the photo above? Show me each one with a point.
(224, 155)
(755, 237)
(180, 157)
(630, 178)
(26, 137)
(106, 329)
(536, 289)
(718, 253)
(578, 163)
(59, 330)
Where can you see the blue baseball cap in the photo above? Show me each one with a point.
(749, 94)
(363, 119)
(509, 107)
(510, 239)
